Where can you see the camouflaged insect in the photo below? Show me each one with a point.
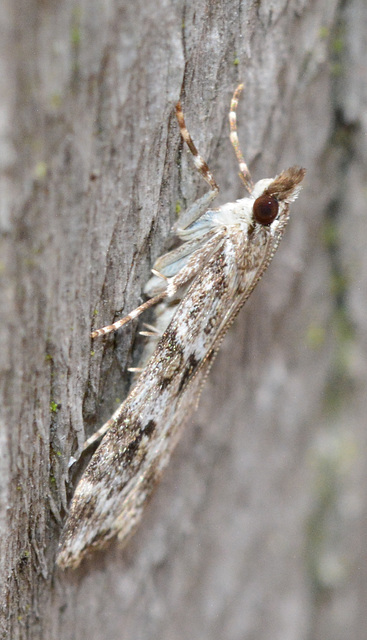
(223, 254)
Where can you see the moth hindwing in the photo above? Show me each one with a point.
(223, 253)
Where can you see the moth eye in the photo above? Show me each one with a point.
(265, 209)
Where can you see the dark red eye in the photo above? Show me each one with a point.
(265, 209)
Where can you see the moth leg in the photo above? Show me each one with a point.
(131, 316)
(150, 331)
(98, 435)
(198, 208)
(244, 174)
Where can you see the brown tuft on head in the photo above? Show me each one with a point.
(284, 184)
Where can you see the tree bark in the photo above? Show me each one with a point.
(257, 528)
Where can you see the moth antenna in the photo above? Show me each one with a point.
(244, 174)
(199, 162)
(160, 275)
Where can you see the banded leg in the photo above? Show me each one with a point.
(200, 206)
(244, 174)
(131, 316)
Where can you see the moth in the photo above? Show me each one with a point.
(200, 287)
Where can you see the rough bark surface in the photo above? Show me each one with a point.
(258, 527)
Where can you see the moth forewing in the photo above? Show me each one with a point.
(224, 253)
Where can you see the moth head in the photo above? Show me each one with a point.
(271, 197)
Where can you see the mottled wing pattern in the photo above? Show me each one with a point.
(136, 449)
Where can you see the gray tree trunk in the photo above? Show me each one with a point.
(257, 529)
